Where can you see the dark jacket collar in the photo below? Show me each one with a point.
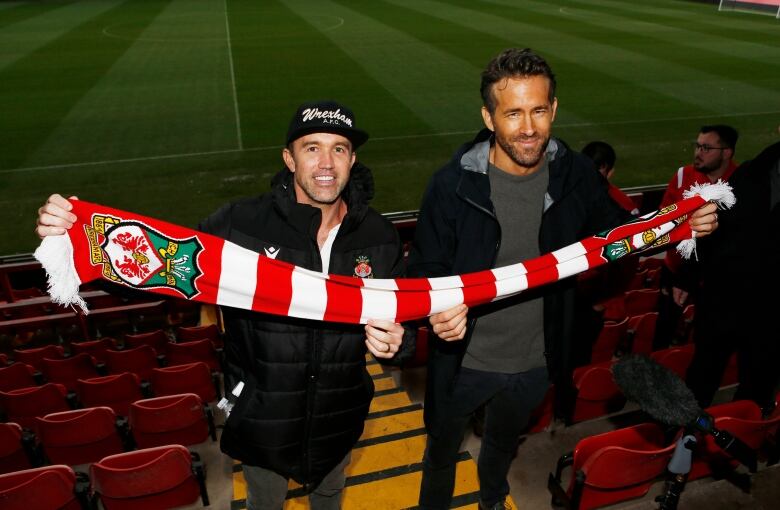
(305, 218)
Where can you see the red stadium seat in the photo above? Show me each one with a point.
(68, 371)
(3, 360)
(95, 348)
(34, 357)
(638, 302)
(18, 375)
(611, 336)
(210, 332)
(676, 359)
(612, 467)
(140, 361)
(192, 352)
(156, 339)
(641, 331)
(731, 374)
(597, 392)
(23, 405)
(193, 378)
(13, 454)
(79, 436)
(155, 478)
(175, 419)
(543, 414)
(45, 488)
(114, 391)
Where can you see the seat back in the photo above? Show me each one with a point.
(619, 465)
(676, 359)
(79, 436)
(156, 339)
(597, 392)
(151, 478)
(188, 334)
(95, 348)
(174, 419)
(192, 352)
(642, 332)
(23, 405)
(45, 488)
(610, 337)
(13, 456)
(18, 375)
(34, 357)
(68, 371)
(114, 391)
(139, 360)
(641, 301)
(193, 378)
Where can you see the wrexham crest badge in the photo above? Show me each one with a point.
(363, 267)
(137, 255)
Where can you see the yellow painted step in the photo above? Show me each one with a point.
(393, 424)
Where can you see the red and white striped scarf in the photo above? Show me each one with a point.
(153, 255)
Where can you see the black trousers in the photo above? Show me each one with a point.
(509, 400)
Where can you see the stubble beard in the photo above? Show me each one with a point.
(527, 158)
(707, 169)
(322, 197)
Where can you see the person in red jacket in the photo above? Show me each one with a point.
(604, 157)
(713, 160)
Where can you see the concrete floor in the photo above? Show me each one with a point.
(537, 456)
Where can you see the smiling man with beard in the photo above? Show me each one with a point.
(512, 193)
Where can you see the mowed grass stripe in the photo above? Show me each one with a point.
(281, 60)
(701, 17)
(23, 37)
(384, 51)
(11, 13)
(37, 91)
(667, 46)
(581, 97)
(169, 93)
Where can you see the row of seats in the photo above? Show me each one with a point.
(623, 464)
(84, 436)
(149, 479)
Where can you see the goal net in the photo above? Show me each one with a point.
(769, 7)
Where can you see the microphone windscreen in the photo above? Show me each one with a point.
(657, 390)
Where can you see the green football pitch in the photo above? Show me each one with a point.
(173, 107)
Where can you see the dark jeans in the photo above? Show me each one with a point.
(509, 400)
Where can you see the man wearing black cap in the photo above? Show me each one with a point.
(299, 388)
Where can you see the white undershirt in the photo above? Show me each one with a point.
(326, 247)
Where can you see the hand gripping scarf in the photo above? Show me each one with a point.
(160, 257)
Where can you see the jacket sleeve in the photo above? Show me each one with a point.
(433, 250)
(409, 342)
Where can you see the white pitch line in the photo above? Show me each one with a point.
(375, 139)
(233, 81)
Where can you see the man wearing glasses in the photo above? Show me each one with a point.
(713, 159)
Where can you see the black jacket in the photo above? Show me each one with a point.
(457, 232)
(307, 391)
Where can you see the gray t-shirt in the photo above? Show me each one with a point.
(509, 336)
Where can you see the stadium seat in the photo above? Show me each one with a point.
(597, 392)
(28, 293)
(742, 418)
(420, 357)
(641, 332)
(154, 478)
(79, 436)
(140, 361)
(676, 359)
(68, 371)
(114, 391)
(192, 352)
(731, 374)
(542, 416)
(637, 280)
(18, 375)
(612, 467)
(34, 357)
(175, 419)
(44, 488)
(193, 378)
(3, 360)
(210, 332)
(95, 348)
(651, 263)
(23, 405)
(638, 302)
(14, 455)
(156, 339)
(610, 337)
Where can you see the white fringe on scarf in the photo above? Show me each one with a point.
(721, 194)
(56, 255)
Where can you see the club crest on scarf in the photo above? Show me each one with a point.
(650, 237)
(363, 267)
(136, 255)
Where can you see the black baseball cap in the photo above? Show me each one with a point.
(325, 117)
